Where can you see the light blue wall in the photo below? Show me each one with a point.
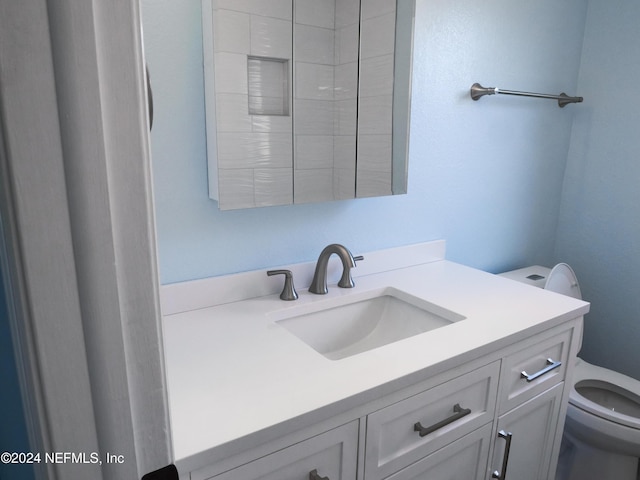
(599, 233)
(486, 176)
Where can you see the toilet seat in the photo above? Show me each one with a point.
(586, 374)
(603, 382)
(562, 279)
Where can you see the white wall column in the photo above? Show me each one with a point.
(79, 232)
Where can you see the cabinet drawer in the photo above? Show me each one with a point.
(463, 459)
(406, 431)
(534, 369)
(332, 454)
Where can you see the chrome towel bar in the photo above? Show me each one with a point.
(563, 99)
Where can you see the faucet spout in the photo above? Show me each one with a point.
(319, 282)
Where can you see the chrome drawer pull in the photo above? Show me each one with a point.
(313, 475)
(459, 412)
(551, 365)
(505, 458)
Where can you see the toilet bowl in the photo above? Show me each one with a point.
(602, 428)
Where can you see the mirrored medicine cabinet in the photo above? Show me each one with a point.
(306, 100)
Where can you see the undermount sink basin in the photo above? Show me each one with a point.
(353, 324)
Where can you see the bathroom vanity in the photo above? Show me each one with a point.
(480, 395)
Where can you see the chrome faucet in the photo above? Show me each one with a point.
(319, 282)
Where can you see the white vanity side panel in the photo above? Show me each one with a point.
(209, 292)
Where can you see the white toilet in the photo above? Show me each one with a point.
(602, 431)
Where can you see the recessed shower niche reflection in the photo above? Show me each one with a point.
(307, 100)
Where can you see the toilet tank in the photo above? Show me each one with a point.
(535, 275)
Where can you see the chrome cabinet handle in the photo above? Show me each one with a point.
(551, 365)
(313, 475)
(459, 412)
(502, 475)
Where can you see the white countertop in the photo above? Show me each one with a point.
(232, 371)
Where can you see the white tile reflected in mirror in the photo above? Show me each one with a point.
(301, 93)
(268, 85)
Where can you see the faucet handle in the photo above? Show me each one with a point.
(289, 291)
(346, 281)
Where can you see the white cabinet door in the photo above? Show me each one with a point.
(529, 430)
(331, 455)
(464, 459)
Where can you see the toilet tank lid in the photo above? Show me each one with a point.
(535, 275)
(562, 279)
